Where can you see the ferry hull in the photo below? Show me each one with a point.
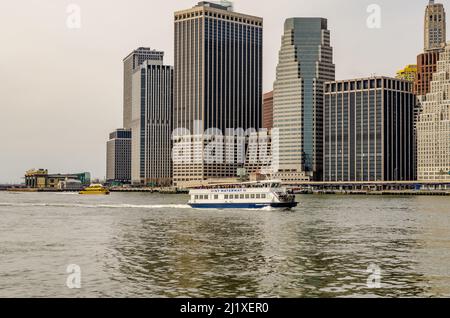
(287, 205)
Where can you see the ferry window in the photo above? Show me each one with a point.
(226, 196)
(196, 197)
(253, 196)
(216, 197)
(236, 196)
(263, 196)
(247, 196)
(258, 196)
(242, 196)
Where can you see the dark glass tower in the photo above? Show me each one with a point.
(217, 77)
(369, 130)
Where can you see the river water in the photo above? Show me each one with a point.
(151, 245)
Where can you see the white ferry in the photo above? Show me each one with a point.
(248, 195)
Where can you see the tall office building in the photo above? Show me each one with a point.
(433, 126)
(369, 130)
(151, 124)
(435, 32)
(435, 27)
(130, 65)
(118, 162)
(217, 82)
(305, 63)
(268, 110)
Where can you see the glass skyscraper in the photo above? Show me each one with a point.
(151, 124)
(217, 80)
(130, 64)
(305, 63)
(369, 130)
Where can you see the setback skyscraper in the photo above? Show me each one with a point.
(435, 30)
(217, 82)
(305, 63)
(435, 27)
(118, 161)
(151, 124)
(433, 127)
(369, 130)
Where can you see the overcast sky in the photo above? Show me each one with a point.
(61, 88)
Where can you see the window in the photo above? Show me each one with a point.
(258, 196)
(226, 196)
(253, 196)
(216, 197)
(247, 196)
(263, 196)
(242, 196)
(196, 197)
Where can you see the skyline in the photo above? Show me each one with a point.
(76, 67)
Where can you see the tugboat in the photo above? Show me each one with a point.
(95, 189)
(247, 195)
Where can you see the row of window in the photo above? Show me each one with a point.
(232, 196)
(217, 15)
(368, 84)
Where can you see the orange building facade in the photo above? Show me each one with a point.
(268, 110)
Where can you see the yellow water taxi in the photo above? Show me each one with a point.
(95, 189)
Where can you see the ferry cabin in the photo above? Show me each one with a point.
(245, 195)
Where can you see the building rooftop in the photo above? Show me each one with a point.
(145, 50)
(217, 9)
(223, 4)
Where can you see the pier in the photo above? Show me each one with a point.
(441, 188)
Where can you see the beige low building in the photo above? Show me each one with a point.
(433, 127)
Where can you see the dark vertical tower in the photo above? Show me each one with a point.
(152, 123)
(217, 77)
(369, 130)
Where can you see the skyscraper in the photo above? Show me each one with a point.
(118, 163)
(151, 123)
(130, 65)
(433, 126)
(369, 130)
(435, 32)
(435, 26)
(305, 63)
(217, 80)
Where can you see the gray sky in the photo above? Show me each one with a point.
(61, 88)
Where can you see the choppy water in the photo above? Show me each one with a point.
(149, 245)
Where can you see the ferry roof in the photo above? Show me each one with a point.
(242, 183)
